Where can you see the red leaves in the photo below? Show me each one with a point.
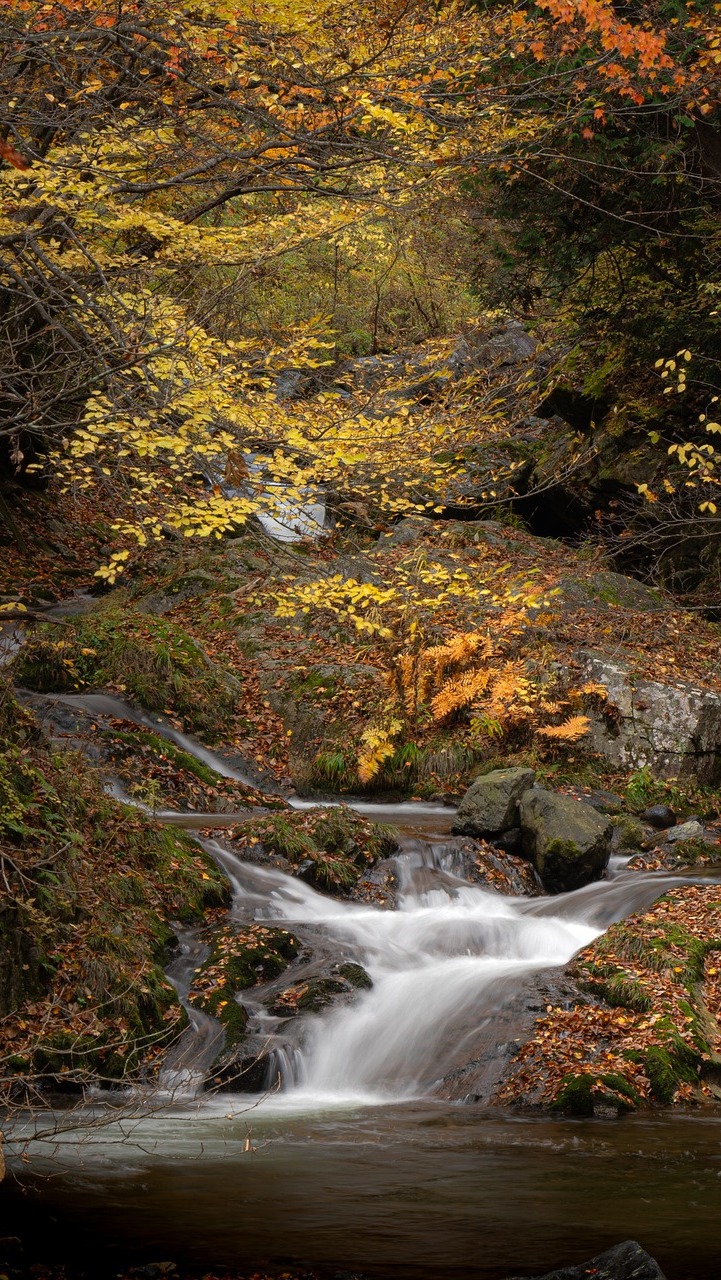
(13, 157)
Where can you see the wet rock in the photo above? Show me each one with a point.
(246, 1072)
(505, 872)
(313, 995)
(490, 806)
(626, 1261)
(673, 729)
(659, 816)
(692, 830)
(510, 841)
(568, 842)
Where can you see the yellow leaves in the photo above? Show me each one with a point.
(376, 747)
(646, 492)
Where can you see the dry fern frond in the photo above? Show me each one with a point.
(593, 690)
(551, 708)
(570, 731)
(459, 693)
(460, 648)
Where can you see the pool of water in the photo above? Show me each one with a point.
(417, 1190)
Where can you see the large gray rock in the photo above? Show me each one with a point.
(506, 343)
(627, 1261)
(567, 841)
(673, 729)
(490, 805)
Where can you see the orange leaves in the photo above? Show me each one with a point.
(571, 730)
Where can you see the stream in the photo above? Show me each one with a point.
(372, 1151)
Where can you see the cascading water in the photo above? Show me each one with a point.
(442, 964)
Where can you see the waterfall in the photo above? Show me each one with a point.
(442, 964)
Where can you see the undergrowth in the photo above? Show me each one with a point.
(150, 660)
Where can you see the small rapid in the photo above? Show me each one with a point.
(442, 964)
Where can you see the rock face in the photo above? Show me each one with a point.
(627, 1261)
(568, 842)
(490, 806)
(673, 729)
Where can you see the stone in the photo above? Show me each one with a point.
(510, 841)
(628, 834)
(685, 831)
(626, 1261)
(480, 348)
(606, 802)
(659, 816)
(567, 841)
(672, 729)
(490, 806)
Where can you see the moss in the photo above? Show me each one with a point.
(581, 1094)
(561, 849)
(239, 960)
(628, 833)
(330, 848)
(88, 917)
(356, 975)
(667, 1068)
(620, 991)
(314, 683)
(152, 659)
(162, 750)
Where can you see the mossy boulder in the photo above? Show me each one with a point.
(239, 959)
(568, 841)
(490, 806)
(340, 984)
(328, 848)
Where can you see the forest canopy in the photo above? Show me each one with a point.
(197, 201)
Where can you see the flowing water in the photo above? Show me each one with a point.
(356, 1159)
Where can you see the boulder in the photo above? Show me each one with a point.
(691, 830)
(490, 806)
(506, 343)
(659, 816)
(672, 729)
(567, 841)
(627, 1261)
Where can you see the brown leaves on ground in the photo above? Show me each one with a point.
(655, 984)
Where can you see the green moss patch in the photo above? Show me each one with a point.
(239, 959)
(91, 893)
(331, 848)
(150, 660)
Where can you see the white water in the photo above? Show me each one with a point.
(439, 963)
(103, 704)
